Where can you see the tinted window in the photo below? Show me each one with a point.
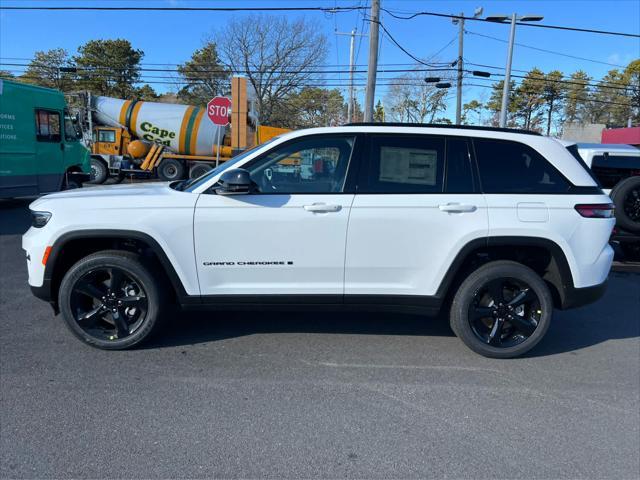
(405, 164)
(511, 167)
(47, 126)
(311, 165)
(459, 178)
(107, 136)
(71, 130)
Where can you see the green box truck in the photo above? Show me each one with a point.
(40, 148)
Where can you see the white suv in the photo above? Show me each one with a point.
(500, 226)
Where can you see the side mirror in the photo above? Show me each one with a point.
(235, 181)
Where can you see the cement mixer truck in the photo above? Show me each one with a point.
(170, 141)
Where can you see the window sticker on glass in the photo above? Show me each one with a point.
(408, 165)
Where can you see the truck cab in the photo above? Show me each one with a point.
(40, 148)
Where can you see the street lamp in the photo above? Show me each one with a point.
(512, 35)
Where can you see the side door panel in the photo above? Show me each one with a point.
(403, 243)
(49, 150)
(288, 238)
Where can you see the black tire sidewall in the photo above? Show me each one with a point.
(102, 172)
(466, 292)
(618, 195)
(198, 171)
(129, 263)
(180, 170)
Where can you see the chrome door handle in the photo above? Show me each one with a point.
(322, 208)
(457, 208)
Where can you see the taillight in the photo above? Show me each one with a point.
(596, 210)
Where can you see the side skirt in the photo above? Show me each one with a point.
(421, 305)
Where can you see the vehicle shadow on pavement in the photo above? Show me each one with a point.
(189, 328)
(14, 216)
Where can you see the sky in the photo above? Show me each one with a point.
(171, 37)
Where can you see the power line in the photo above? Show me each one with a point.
(400, 46)
(190, 9)
(608, 102)
(526, 24)
(547, 51)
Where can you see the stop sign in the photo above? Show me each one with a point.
(219, 109)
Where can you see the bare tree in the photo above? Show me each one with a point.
(411, 99)
(277, 56)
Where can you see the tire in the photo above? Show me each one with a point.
(626, 197)
(99, 171)
(631, 251)
(171, 169)
(474, 299)
(88, 289)
(198, 170)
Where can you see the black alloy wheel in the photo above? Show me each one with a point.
(108, 303)
(502, 309)
(632, 204)
(504, 312)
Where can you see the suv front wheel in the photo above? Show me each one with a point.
(110, 300)
(502, 310)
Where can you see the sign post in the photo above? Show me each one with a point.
(218, 110)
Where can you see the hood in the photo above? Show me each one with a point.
(106, 194)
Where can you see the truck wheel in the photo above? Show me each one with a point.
(502, 310)
(171, 169)
(99, 171)
(626, 197)
(111, 300)
(199, 170)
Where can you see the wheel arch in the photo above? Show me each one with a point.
(72, 246)
(543, 255)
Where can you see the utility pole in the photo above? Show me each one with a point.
(507, 75)
(460, 70)
(373, 60)
(460, 22)
(352, 53)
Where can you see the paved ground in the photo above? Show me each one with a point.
(313, 395)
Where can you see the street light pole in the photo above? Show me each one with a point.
(507, 76)
(373, 60)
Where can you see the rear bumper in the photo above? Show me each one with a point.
(577, 297)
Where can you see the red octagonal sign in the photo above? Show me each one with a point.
(219, 109)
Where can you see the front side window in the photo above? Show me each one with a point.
(310, 165)
(512, 167)
(405, 164)
(47, 126)
(107, 136)
(71, 129)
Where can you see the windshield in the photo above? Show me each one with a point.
(191, 185)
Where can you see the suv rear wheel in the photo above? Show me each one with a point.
(502, 310)
(110, 300)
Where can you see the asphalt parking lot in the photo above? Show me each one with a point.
(315, 395)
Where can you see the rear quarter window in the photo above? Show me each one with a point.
(513, 167)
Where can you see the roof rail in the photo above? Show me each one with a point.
(441, 125)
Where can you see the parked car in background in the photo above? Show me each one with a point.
(40, 148)
(617, 169)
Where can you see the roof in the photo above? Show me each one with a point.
(608, 147)
(442, 125)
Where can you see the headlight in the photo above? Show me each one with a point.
(39, 219)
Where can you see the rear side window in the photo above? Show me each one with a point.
(512, 167)
(458, 178)
(405, 164)
(47, 126)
